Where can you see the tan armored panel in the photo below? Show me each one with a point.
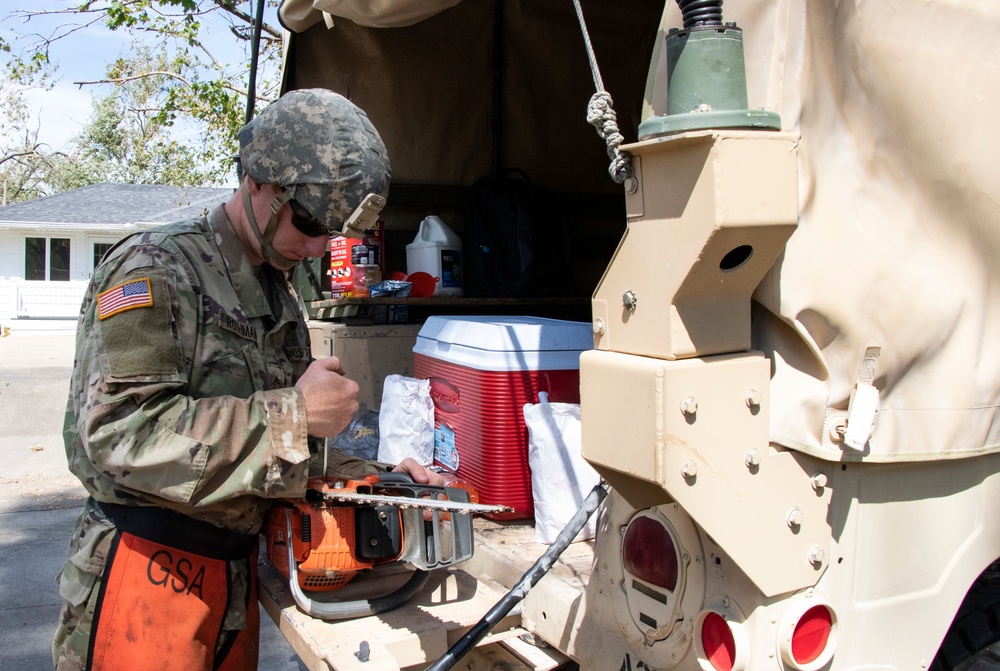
(678, 409)
(695, 431)
(710, 213)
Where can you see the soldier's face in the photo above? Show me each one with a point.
(288, 240)
(293, 244)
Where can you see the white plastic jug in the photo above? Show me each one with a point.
(437, 250)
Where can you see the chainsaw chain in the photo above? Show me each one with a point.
(446, 506)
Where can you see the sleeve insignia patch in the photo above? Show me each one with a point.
(125, 296)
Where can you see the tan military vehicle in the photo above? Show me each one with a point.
(795, 377)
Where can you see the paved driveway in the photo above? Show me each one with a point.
(39, 501)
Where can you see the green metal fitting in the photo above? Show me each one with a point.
(706, 84)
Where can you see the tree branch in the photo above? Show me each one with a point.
(230, 8)
(20, 154)
(143, 75)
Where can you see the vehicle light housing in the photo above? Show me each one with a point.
(652, 573)
(721, 640)
(649, 552)
(807, 634)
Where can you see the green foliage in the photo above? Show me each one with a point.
(23, 161)
(128, 136)
(171, 118)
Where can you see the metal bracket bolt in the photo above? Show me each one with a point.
(689, 469)
(816, 555)
(794, 518)
(754, 397)
(752, 459)
(689, 405)
(598, 326)
(819, 481)
(629, 300)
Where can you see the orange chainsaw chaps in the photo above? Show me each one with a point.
(162, 607)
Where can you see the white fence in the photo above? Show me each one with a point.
(23, 299)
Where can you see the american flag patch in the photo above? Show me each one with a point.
(134, 294)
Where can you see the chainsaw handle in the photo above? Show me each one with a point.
(344, 610)
(395, 478)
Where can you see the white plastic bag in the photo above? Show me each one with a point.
(406, 421)
(560, 478)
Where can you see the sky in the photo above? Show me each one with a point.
(80, 57)
(83, 56)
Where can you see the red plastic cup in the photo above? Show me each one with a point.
(422, 284)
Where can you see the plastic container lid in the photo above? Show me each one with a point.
(505, 343)
(435, 233)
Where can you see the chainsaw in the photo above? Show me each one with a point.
(342, 528)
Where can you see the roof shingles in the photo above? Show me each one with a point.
(117, 205)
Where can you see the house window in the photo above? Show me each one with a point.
(100, 249)
(46, 259)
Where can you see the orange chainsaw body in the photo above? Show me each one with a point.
(324, 538)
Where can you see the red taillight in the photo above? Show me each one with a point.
(808, 633)
(649, 553)
(718, 642)
(811, 634)
(721, 640)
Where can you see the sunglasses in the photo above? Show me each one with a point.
(305, 222)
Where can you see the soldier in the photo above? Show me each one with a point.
(194, 401)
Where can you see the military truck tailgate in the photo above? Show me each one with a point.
(419, 632)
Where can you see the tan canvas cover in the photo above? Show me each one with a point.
(298, 15)
(450, 114)
(898, 245)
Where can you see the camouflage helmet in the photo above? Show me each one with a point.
(322, 148)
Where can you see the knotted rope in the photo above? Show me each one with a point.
(601, 114)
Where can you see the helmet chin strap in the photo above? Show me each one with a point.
(269, 253)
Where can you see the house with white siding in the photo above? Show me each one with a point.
(50, 246)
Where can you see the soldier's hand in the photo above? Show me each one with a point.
(331, 397)
(419, 473)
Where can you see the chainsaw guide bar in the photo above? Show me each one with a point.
(447, 506)
(340, 528)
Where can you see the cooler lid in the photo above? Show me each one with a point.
(490, 342)
(509, 334)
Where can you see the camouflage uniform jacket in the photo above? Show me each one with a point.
(186, 402)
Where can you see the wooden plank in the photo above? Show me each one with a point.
(496, 657)
(445, 301)
(535, 657)
(414, 634)
(505, 551)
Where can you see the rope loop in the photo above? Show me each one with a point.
(601, 115)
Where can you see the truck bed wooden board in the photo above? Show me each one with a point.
(506, 550)
(419, 632)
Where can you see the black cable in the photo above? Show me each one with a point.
(528, 580)
(258, 22)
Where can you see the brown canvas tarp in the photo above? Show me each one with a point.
(898, 245)
(483, 85)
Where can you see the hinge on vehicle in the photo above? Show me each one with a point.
(863, 408)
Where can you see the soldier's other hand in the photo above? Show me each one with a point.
(419, 473)
(331, 397)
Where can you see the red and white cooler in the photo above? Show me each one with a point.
(482, 371)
